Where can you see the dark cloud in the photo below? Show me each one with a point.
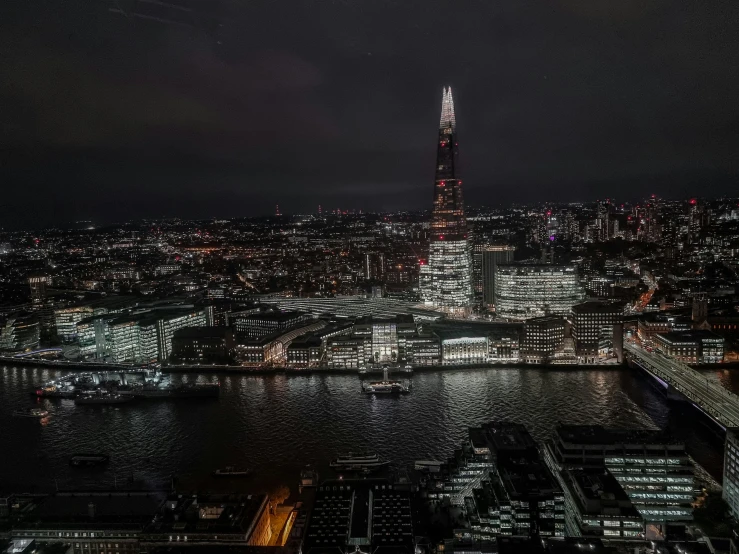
(252, 103)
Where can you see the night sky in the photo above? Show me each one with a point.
(106, 116)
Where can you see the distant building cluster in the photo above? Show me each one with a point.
(568, 277)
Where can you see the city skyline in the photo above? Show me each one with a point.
(257, 296)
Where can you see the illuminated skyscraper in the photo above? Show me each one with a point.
(446, 281)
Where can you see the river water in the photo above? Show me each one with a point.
(275, 424)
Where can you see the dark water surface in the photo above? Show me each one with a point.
(276, 424)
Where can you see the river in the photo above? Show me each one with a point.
(275, 424)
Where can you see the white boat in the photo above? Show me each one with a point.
(34, 412)
(358, 462)
(386, 386)
(232, 471)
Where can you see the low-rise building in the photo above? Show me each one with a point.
(652, 324)
(368, 515)
(517, 495)
(691, 347)
(203, 345)
(542, 336)
(109, 522)
(596, 505)
(651, 466)
(250, 325)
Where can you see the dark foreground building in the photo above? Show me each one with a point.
(118, 522)
(371, 515)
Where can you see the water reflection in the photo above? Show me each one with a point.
(275, 424)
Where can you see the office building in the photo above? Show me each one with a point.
(146, 337)
(515, 493)
(374, 266)
(254, 325)
(593, 327)
(446, 280)
(273, 349)
(597, 506)
(652, 324)
(730, 490)
(523, 291)
(38, 284)
(130, 522)
(19, 331)
(203, 345)
(691, 347)
(66, 320)
(43, 306)
(492, 256)
(87, 523)
(379, 341)
(652, 467)
(542, 337)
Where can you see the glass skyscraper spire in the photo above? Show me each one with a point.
(446, 281)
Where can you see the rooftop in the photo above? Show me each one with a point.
(599, 435)
(598, 307)
(213, 513)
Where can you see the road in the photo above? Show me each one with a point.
(721, 404)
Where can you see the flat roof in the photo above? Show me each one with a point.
(115, 506)
(598, 307)
(599, 435)
(690, 336)
(227, 513)
(201, 332)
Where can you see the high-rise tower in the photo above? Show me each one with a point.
(446, 281)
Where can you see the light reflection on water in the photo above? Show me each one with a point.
(276, 424)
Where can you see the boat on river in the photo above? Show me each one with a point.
(358, 462)
(102, 398)
(33, 412)
(89, 460)
(386, 386)
(232, 471)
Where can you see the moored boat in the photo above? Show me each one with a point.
(102, 398)
(197, 390)
(89, 460)
(232, 471)
(358, 462)
(53, 392)
(33, 412)
(386, 386)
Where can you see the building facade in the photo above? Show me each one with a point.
(492, 256)
(523, 291)
(691, 347)
(542, 336)
(653, 468)
(730, 490)
(593, 325)
(446, 280)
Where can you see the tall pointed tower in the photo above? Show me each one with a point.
(446, 281)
